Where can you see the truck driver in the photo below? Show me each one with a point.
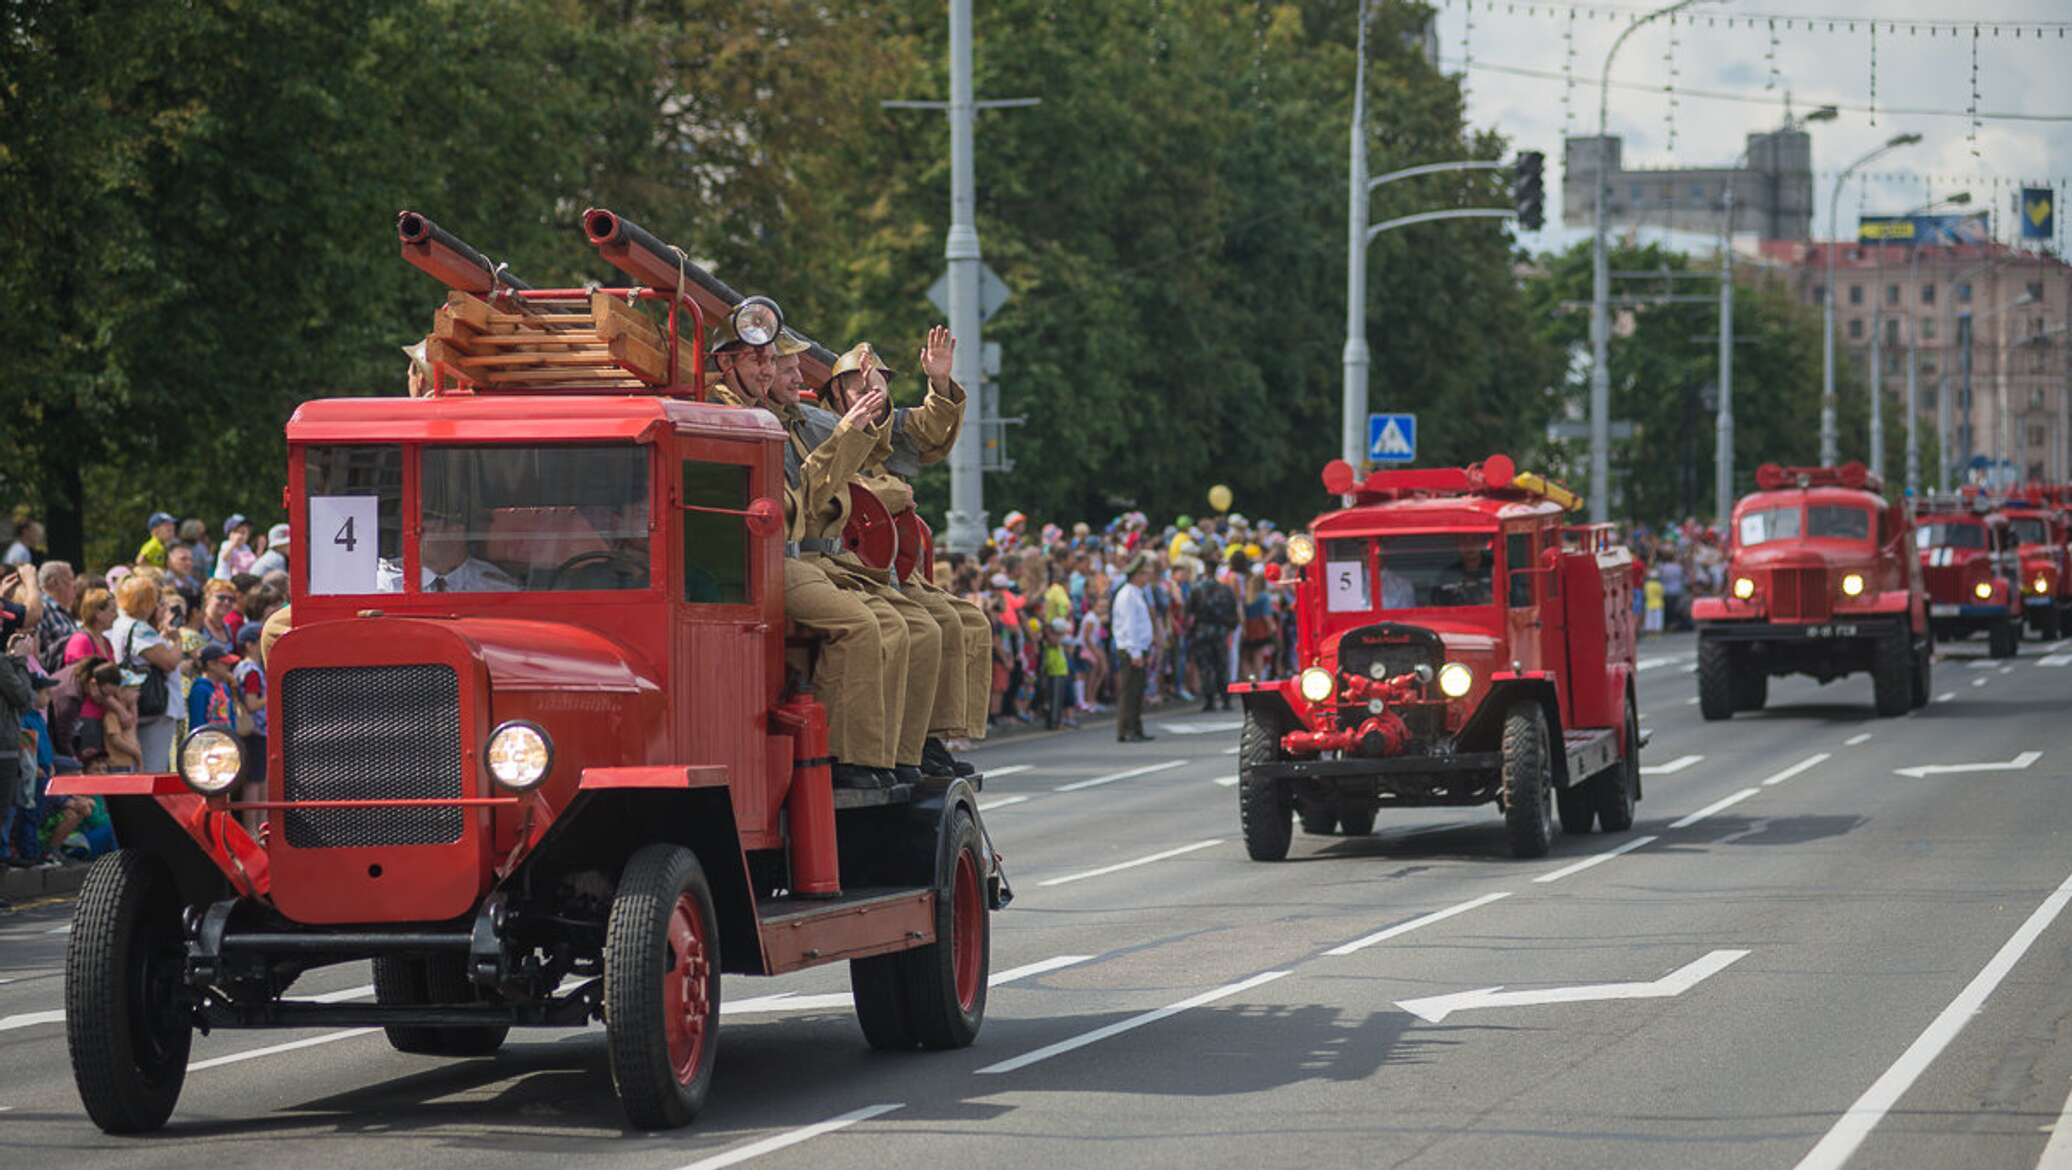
(863, 658)
(445, 563)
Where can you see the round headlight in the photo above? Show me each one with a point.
(518, 755)
(758, 321)
(1455, 679)
(1317, 684)
(210, 760)
(1983, 590)
(1744, 588)
(1302, 549)
(2042, 584)
(1852, 584)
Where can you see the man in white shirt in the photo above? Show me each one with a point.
(1131, 619)
(444, 564)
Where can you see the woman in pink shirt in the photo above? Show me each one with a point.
(96, 614)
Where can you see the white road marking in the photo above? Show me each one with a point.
(1671, 768)
(2014, 765)
(1859, 737)
(1856, 1124)
(30, 1020)
(276, 1049)
(1651, 663)
(1982, 664)
(1979, 682)
(1210, 727)
(2055, 660)
(1946, 696)
(1435, 1008)
(1131, 1024)
(1226, 781)
(1691, 702)
(65, 929)
(1812, 761)
(1122, 865)
(786, 1001)
(1009, 770)
(2057, 1153)
(804, 1133)
(1587, 862)
(1402, 928)
(1003, 802)
(1715, 806)
(1111, 778)
(2007, 670)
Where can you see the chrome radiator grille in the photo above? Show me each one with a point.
(371, 733)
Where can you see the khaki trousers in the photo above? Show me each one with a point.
(862, 661)
(960, 709)
(923, 659)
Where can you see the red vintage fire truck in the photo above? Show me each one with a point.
(2036, 524)
(538, 745)
(1970, 560)
(1822, 581)
(1459, 643)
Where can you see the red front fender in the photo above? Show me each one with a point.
(206, 822)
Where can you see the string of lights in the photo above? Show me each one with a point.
(1789, 22)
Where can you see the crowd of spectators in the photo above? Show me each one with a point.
(1684, 562)
(105, 670)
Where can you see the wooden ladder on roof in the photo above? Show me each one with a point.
(599, 343)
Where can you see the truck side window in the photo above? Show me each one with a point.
(353, 524)
(715, 544)
(1518, 566)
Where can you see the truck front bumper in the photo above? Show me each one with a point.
(1834, 629)
(1359, 767)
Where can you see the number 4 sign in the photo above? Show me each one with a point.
(341, 542)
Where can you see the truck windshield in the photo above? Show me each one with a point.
(502, 519)
(1838, 522)
(1953, 536)
(1436, 570)
(1769, 524)
(2028, 530)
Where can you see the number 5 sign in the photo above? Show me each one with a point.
(342, 543)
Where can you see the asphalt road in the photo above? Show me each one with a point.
(1798, 957)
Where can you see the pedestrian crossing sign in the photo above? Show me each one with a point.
(1391, 438)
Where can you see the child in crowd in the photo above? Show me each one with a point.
(1057, 674)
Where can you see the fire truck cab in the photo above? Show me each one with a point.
(1821, 580)
(537, 745)
(1971, 559)
(2036, 524)
(1458, 643)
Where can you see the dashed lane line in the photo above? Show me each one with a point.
(1716, 806)
(1979, 682)
(1812, 761)
(789, 1138)
(1226, 781)
(1946, 696)
(1671, 768)
(1131, 1024)
(1113, 777)
(1003, 802)
(1403, 928)
(1599, 859)
(1122, 865)
(1859, 738)
(32, 1019)
(1849, 1132)
(1009, 770)
(277, 1049)
(785, 1001)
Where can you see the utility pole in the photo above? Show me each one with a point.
(1828, 438)
(1723, 452)
(1353, 439)
(1877, 459)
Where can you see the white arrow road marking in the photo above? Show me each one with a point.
(1811, 761)
(1003, 802)
(1381, 936)
(786, 1001)
(1112, 777)
(2014, 765)
(1210, 727)
(1671, 768)
(1859, 737)
(1435, 1008)
(1587, 862)
(1863, 1116)
(804, 1133)
(1715, 806)
(1134, 1022)
(1122, 865)
(1009, 770)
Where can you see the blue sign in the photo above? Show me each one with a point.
(1391, 438)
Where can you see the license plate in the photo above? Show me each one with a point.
(1942, 611)
(1831, 631)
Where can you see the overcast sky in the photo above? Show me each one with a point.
(1914, 71)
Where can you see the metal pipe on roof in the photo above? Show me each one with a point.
(449, 259)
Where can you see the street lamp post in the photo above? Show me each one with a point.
(1353, 438)
(1913, 338)
(1828, 456)
(1600, 285)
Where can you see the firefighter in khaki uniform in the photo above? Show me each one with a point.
(920, 435)
(863, 660)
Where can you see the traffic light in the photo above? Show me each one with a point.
(1528, 189)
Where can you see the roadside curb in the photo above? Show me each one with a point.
(20, 885)
(1023, 732)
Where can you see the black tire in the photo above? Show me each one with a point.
(1892, 674)
(878, 985)
(1263, 809)
(1751, 688)
(661, 958)
(442, 979)
(1924, 660)
(1616, 790)
(1577, 808)
(1318, 819)
(2051, 626)
(1715, 680)
(1356, 818)
(1528, 774)
(2003, 639)
(127, 1022)
(946, 980)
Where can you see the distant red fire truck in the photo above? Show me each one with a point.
(1971, 561)
(539, 748)
(1459, 643)
(1821, 580)
(2036, 525)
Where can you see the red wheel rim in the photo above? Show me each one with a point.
(967, 929)
(685, 1001)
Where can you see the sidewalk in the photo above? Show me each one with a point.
(24, 885)
(1004, 733)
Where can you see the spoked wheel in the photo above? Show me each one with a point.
(127, 1021)
(661, 987)
(934, 996)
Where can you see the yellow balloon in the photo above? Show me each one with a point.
(1219, 498)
